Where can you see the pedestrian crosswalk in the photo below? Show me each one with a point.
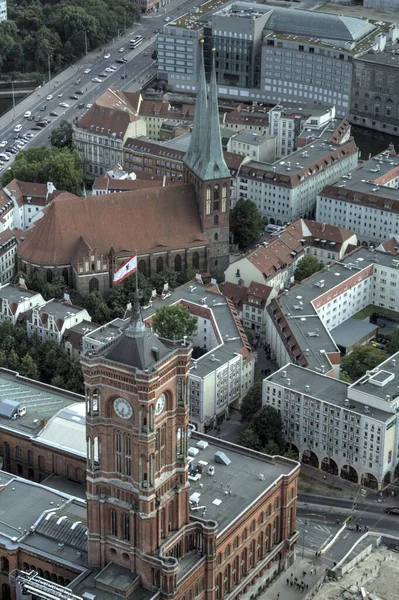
(313, 535)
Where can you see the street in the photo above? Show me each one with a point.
(135, 72)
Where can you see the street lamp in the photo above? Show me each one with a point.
(303, 542)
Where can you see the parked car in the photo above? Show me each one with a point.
(96, 80)
(36, 127)
(73, 97)
(120, 61)
(107, 55)
(3, 144)
(102, 75)
(17, 128)
(121, 49)
(64, 104)
(42, 108)
(392, 510)
(79, 92)
(87, 71)
(77, 81)
(89, 105)
(53, 114)
(49, 97)
(27, 114)
(81, 105)
(123, 76)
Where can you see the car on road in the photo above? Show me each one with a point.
(49, 97)
(120, 61)
(392, 510)
(3, 144)
(87, 71)
(42, 108)
(121, 49)
(27, 114)
(96, 80)
(36, 127)
(17, 128)
(81, 105)
(109, 70)
(64, 104)
(60, 95)
(73, 97)
(29, 135)
(102, 75)
(167, 19)
(31, 118)
(79, 92)
(125, 60)
(89, 105)
(37, 119)
(123, 76)
(107, 55)
(145, 53)
(77, 81)
(53, 114)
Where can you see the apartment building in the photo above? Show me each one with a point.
(266, 53)
(346, 430)
(9, 240)
(16, 300)
(99, 135)
(301, 321)
(375, 88)
(22, 203)
(250, 302)
(365, 199)
(287, 189)
(256, 147)
(53, 319)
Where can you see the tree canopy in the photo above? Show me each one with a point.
(246, 223)
(264, 432)
(307, 266)
(62, 136)
(38, 32)
(174, 322)
(393, 344)
(360, 360)
(252, 402)
(40, 164)
(46, 361)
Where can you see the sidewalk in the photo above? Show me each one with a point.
(279, 590)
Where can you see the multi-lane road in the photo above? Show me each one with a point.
(79, 78)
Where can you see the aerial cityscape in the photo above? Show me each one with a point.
(199, 300)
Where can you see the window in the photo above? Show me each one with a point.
(113, 522)
(126, 528)
(118, 452)
(5, 565)
(94, 285)
(18, 452)
(128, 454)
(216, 220)
(195, 260)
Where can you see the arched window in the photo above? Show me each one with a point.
(49, 275)
(42, 463)
(177, 262)
(195, 260)
(5, 565)
(65, 275)
(216, 197)
(5, 592)
(224, 198)
(216, 220)
(18, 452)
(208, 200)
(216, 237)
(94, 286)
(142, 267)
(30, 458)
(159, 264)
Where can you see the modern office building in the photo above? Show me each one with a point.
(266, 54)
(365, 200)
(375, 90)
(346, 430)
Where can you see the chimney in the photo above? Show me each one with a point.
(50, 189)
(67, 298)
(323, 228)
(164, 181)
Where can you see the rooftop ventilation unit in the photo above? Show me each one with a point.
(222, 458)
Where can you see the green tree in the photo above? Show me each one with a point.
(360, 360)
(97, 308)
(41, 164)
(251, 402)
(268, 426)
(62, 136)
(249, 439)
(28, 367)
(393, 344)
(121, 295)
(307, 266)
(167, 276)
(245, 223)
(174, 322)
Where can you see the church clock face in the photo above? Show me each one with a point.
(122, 408)
(160, 405)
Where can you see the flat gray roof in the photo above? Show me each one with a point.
(230, 343)
(41, 401)
(240, 477)
(105, 333)
(386, 375)
(13, 293)
(383, 58)
(84, 327)
(352, 331)
(60, 310)
(246, 137)
(325, 388)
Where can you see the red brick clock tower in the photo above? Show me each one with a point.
(137, 473)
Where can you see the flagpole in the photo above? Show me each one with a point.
(137, 275)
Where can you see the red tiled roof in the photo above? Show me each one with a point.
(153, 219)
(22, 190)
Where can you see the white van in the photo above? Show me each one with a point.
(17, 128)
(272, 228)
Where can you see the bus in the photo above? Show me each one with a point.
(136, 41)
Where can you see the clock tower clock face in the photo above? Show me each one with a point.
(160, 405)
(122, 408)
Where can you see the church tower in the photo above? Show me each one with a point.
(137, 469)
(205, 168)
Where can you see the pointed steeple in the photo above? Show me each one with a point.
(199, 124)
(211, 163)
(136, 327)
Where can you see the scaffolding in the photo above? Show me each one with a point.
(29, 583)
